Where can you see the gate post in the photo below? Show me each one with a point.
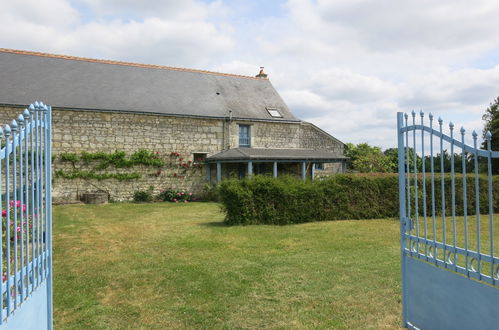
(402, 210)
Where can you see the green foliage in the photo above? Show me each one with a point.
(88, 175)
(367, 159)
(265, 200)
(69, 157)
(119, 160)
(142, 196)
(210, 192)
(146, 157)
(491, 118)
(176, 196)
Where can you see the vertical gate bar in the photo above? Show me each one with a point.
(477, 207)
(26, 115)
(48, 178)
(38, 188)
(442, 188)
(416, 212)
(432, 170)
(402, 210)
(7, 207)
(20, 119)
(453, 193)
(1, 234)
(32, 193)
(465, 203)
(40, 195)
(408, 172)
(41, 191)
(13, 127)
(46, 186)
(423, 173)
(488, 137)
(37, 207)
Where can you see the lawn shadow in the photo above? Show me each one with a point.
(214, 224)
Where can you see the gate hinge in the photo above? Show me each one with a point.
(408, 224)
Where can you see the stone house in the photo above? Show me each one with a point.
(203, 126)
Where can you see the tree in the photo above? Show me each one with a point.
(491, 118)
(392, 154)
(365, 158)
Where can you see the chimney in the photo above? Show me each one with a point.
(261, 74)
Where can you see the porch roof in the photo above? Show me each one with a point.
(278, 155)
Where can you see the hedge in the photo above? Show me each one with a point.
(287, 200)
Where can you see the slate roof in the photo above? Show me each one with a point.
(245, 154)
(81, 83)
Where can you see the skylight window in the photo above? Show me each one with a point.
(274, 112)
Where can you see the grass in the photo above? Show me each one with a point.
(131, 266)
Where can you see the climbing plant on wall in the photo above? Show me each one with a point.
(91, 165)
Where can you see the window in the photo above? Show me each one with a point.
(319, 166)
(274, 112)
(244, 136)
(199, 157)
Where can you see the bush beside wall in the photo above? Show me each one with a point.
(286, 200)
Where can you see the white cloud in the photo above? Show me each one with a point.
(346, 65)
(187, 40)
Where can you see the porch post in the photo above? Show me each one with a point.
(313, 171)
(219, 171)
(304, 170)
(274, 171)
(208, 172)
(250, 168)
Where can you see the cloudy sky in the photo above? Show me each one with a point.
(346, 65)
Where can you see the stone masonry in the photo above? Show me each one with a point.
(75, 131)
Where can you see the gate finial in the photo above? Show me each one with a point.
(26, 114)
(474, 135)
(451, 126)
(20, 119)
(13, 126)
(7, 131)
(462, 130)
(488, 137)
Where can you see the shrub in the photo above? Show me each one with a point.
(286, 200)
(210, 193)
(142, 196)
(176, 196)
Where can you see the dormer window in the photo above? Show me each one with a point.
(274, 112)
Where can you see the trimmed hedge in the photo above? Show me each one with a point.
(287, 200)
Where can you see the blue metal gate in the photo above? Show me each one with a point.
(450, 272)
(26, 206)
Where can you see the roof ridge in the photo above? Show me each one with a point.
(124, 63)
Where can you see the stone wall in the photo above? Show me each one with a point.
(94, 131)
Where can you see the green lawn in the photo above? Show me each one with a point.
(177, 266)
